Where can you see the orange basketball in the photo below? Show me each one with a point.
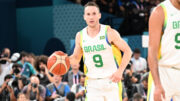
(58, 63)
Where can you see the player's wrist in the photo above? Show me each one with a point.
(158, 85)
(120, 71)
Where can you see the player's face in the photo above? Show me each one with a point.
(92, 15)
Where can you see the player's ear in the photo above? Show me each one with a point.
(99, 15)
(84, 17)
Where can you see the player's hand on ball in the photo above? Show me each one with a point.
(116, 77)
(159, 94)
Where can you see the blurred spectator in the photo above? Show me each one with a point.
(137, 97)
(6, 91)
(124, 93)
(57, 90)
(121, 8)
(135, 15)
(129, 80)
(34, 91)
(15, 57)
(107, 5)
(142, 87)
(70, 97)
(5, 53)
(44, 76)
(82, 2)
(72, 77)
(5, 64)
(19, 81)
(79, 89)
(31, 59)
(27, 69)
(139, 63)
(22, 97)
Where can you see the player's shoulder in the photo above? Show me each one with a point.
(79, 33)
(111, 30)
(158, 10)
(157, 14)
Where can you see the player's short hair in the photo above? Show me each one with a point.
(91, 3)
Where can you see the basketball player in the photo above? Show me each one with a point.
(97, 44)
(164, 52)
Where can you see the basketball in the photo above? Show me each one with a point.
(58, 63)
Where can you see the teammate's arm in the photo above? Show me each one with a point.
(114, 38)
(77, 54)
(156, 22)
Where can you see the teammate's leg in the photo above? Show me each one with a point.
(164, 82)
(167, 80)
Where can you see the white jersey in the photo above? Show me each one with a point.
(98, 54)
(170, 40)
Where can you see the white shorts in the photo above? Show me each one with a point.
(170, 80)
(103, 90)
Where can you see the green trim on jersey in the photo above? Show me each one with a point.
(81, 39)
(165, 16)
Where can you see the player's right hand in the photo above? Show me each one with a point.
(159, 94)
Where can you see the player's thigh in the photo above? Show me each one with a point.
(94, 97)
(113, 95)
(94, 94)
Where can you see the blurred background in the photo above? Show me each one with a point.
(30, 24)
(34, 29)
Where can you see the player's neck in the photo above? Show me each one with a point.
(93, 31)
(176, 4)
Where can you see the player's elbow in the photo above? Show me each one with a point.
(129, 51)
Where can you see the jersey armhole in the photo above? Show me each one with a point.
(165, 16)
(106, 28)
(81, 37)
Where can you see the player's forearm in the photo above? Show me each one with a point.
(74, 59)
(153, 65)
(125, 59)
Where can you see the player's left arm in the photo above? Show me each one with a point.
(115, 38)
